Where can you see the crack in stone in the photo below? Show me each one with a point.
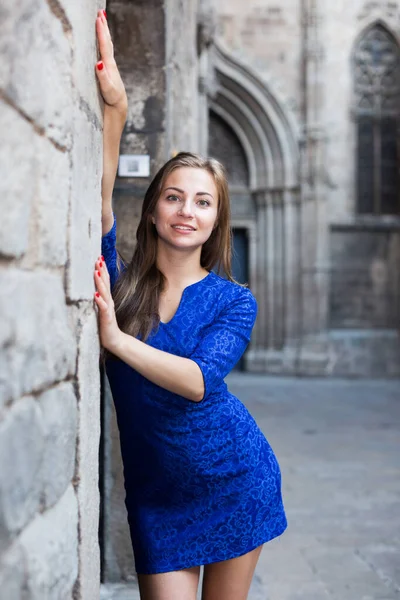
(37, 128)
(59, 12)
(92, 117)
(385, 578)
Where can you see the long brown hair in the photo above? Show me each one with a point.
(138, 288)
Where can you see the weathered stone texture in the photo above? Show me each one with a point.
(182, 76)
(21, 453)
(138, 30)
(36, 342)
(34, 64)
(12, 574)
(59, 410)
(50, 162)
(53, 191)
(267, 35)
(365, 282)
(88, 456)
(84, 236)
(17, 181)
(50, 547)
(80, 21)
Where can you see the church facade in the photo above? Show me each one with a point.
(300, 102)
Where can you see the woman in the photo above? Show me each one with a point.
(202, 483)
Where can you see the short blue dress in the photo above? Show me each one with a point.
(202, 483)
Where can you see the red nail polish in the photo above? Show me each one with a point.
(98, 273)
(100, 265)
(97, 295)
(105, 14)
(102, 258)
(100, 65)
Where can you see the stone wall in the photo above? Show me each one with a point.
(156, 49)
(50, 163)
(267, 35)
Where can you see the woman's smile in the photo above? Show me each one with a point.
(187, 207)
(183, 228)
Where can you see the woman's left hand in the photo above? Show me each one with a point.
(110, 333)
(111, 85)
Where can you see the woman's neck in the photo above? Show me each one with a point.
(180, 268)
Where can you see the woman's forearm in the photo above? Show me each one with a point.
(114, 121)
(176, 374)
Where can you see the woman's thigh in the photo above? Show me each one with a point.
(176, 585)
(230, 579)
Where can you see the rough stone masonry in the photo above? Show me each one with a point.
(50, 163)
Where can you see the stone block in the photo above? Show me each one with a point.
(36, 73)
(52, 204)
(36, 341)
(50, 547)
(12, 574)
(21, 454)
(88, 457)
(17, 182)
(81, 18)
(85, 234)
(59, 410)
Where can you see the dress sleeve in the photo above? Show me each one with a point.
(109, 251)
(224, 341)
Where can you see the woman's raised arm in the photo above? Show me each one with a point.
(115, 111)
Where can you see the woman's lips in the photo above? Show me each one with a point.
(183, 228)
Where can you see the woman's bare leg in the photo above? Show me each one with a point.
(175, 585)
(230, 579)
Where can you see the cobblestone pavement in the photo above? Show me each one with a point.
(338, 444)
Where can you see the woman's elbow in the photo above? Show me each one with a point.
(197, 387)
(195, 395)
(199, 396)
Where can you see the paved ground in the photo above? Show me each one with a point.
(338, 444)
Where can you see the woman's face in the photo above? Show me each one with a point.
(186, 211)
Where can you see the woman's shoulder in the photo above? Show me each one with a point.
(230, 291)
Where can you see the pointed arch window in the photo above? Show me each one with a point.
(377, 92)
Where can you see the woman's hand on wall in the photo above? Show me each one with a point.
(110, 333)
(111, 85)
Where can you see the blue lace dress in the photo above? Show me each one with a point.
(202, 483)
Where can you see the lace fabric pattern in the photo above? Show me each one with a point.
(202, 482)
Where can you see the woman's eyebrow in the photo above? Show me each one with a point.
(182, 191)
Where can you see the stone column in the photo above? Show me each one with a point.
(315, 270)
(292, 261)
(276, 282)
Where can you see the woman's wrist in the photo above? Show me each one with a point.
(116, 347)
(117, 111)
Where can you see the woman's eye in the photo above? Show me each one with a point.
(204, 202)
(172, 197)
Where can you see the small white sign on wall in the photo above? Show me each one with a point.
(134, 165)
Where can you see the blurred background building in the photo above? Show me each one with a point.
(300, 100)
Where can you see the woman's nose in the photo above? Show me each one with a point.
(186, 209)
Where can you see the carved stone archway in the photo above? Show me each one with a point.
(268, 134)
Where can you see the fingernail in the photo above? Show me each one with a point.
(98, 273)
(105, 14)
(102, 258)
(100, 65)
(100, 265)
(97, 295)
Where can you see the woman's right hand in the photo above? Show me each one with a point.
(111, 85)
